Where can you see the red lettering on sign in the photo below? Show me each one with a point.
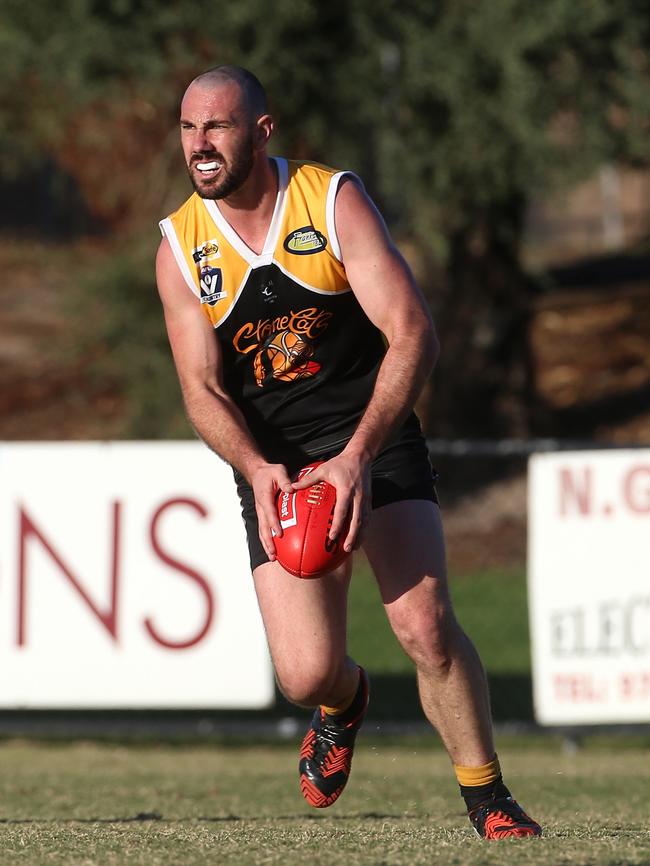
(635, 686)
(576, 490)
(28, 529)
(579, 688)
(636, 489)
(200, 581)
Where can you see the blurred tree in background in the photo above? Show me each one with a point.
(455, 113)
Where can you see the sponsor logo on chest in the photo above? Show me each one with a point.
(206, 252)
(305, 241)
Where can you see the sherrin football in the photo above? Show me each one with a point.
(304, 548)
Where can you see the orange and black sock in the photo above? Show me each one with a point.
(349, 709)
(478, 784)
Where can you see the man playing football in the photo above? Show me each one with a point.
(299, 335)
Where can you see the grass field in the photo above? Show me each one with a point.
(157, 804)
(104, 805)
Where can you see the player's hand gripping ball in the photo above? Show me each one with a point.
(305, 548)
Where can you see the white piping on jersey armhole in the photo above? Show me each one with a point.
(168, 231)
(330, 222)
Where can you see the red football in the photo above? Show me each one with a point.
(304, 548)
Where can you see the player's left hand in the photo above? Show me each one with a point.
(350, 475)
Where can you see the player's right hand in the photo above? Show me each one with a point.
(266, 481)
(349, 473)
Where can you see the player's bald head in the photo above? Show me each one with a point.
(252, 93)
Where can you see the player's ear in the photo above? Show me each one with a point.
(263, 130)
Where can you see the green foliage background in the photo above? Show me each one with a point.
(454, 112)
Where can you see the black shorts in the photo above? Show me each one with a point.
(401, 471)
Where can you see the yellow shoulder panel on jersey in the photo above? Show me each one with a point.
(210, 266)
(307, 247)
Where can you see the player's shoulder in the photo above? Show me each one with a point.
(176, 225)
(167, 273)
(320, 179)
(308, 169)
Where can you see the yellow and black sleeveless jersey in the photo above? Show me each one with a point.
(300, 356)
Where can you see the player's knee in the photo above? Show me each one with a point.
(428, 638)
(306, 686)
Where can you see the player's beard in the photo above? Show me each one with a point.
(231, 177)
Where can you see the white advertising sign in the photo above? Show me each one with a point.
(124, 580)
(589, 586)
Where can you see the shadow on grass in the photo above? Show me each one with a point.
(139, 817)
(142, 817)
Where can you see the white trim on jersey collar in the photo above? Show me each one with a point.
(280, 205)
(271, 240)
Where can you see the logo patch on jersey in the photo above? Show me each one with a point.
(283, 347)
(287, 357)
(211, 282)
(268, 293)
(206, 252)
(305, 241)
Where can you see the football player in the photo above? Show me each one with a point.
(299, 334)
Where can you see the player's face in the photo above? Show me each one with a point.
(218, 139)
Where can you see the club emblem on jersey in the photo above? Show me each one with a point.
(206, 252)
(210, 282)
(305, 241)
(283, 347)
(288, 356)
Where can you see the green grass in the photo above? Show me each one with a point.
(102, 805)
(491, 606)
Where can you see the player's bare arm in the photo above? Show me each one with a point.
(211, 411)
(385, 288)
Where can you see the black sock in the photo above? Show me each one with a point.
(474, 795)
(350, 713)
